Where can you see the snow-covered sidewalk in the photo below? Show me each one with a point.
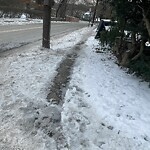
(25, 77)
(104, 107)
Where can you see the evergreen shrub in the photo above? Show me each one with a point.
(141, 67)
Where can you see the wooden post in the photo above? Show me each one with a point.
(46, 23)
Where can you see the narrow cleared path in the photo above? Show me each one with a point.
(59, 88)
(62, 78)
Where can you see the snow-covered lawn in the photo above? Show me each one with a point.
(104, 107)
(22, 21)
(19, 21)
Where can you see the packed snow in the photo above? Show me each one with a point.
(104, 106)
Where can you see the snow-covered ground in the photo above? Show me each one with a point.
(25, 78)
(18, 21)
(104, 107)
(23, 21)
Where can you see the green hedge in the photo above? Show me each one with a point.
(141, 67)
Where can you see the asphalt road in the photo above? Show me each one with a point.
(17, 35)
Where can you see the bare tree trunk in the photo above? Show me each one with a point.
(59, 6)
(140, 52)
(61, 10)
(147, 23)
(47, 23)
(72, 10)
(125, 59)
(129, 51)
(133, 40)
(145, 19)
(122, 31)
(121, 42)
(94, 12)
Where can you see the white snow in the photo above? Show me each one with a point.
(147, 44)
(23, 17)
(19, 21)
(104, 107)
(23, 20)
